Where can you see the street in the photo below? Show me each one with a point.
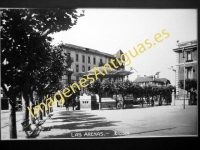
(158, 121)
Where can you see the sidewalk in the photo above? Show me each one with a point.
(5, 124)
(158, 121)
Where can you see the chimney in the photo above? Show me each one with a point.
(138, 76)
(144, 75)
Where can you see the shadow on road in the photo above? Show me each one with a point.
(81, 121)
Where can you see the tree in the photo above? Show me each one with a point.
(123, 88)
(98, 87)
(190, 86)
(25, 48)
(48, 76)
(137, 92)
(147, 91)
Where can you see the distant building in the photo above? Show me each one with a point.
(82, 59)
(189, 51)
(154, 80)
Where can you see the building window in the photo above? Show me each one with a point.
(83, 68)
(88, 68)
(94, 60)
(189, 56)
(189, 73)
(88, 59)
(83, 58)
(101, 61)
(76, 57)
(77, 68)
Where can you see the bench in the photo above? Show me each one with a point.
(31, 133)
(109, 104)
(39, 122)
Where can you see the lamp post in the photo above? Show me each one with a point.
(131, 68)
(183, 77)
(175, 78)
(183, 74)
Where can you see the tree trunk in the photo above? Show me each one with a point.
(40, 101)
(116, 101)
(43, 108)
(25, 104)
(142, 101)
(12, 118)
(160, 101)
(123, 101)
(152, 101)
(51, 109)
(99, 101)
(31, 107)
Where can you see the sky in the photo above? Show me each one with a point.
(109, 30)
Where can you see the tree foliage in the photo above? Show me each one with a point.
(98, 87)
(26, 49)
(190, 84)
(27, 57)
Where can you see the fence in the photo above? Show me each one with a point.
(181, 96)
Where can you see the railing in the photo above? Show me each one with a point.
(101, 64)
(181, 96)
(189, 43)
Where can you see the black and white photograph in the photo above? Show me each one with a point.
(98, 73)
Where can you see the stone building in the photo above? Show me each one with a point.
(186, 55)
(82, 59)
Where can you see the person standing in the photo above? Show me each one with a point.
(77, 102)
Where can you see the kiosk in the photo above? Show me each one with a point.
(85, 102)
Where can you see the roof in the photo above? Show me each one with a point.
(143, 79)
(111, 73)
(188, 46)
(88, 50)
(164, 80)
(150, 79)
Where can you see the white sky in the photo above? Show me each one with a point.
(109, 30)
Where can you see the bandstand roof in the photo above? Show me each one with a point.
(111, 73)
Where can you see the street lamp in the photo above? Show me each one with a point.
(183, 77)
(175, 78)
(131, 68)
(183, 73)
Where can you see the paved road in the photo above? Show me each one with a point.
(137, 122)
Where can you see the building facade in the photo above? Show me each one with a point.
(84, 59)
(186, 55)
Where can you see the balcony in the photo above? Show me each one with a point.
(101, 64)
